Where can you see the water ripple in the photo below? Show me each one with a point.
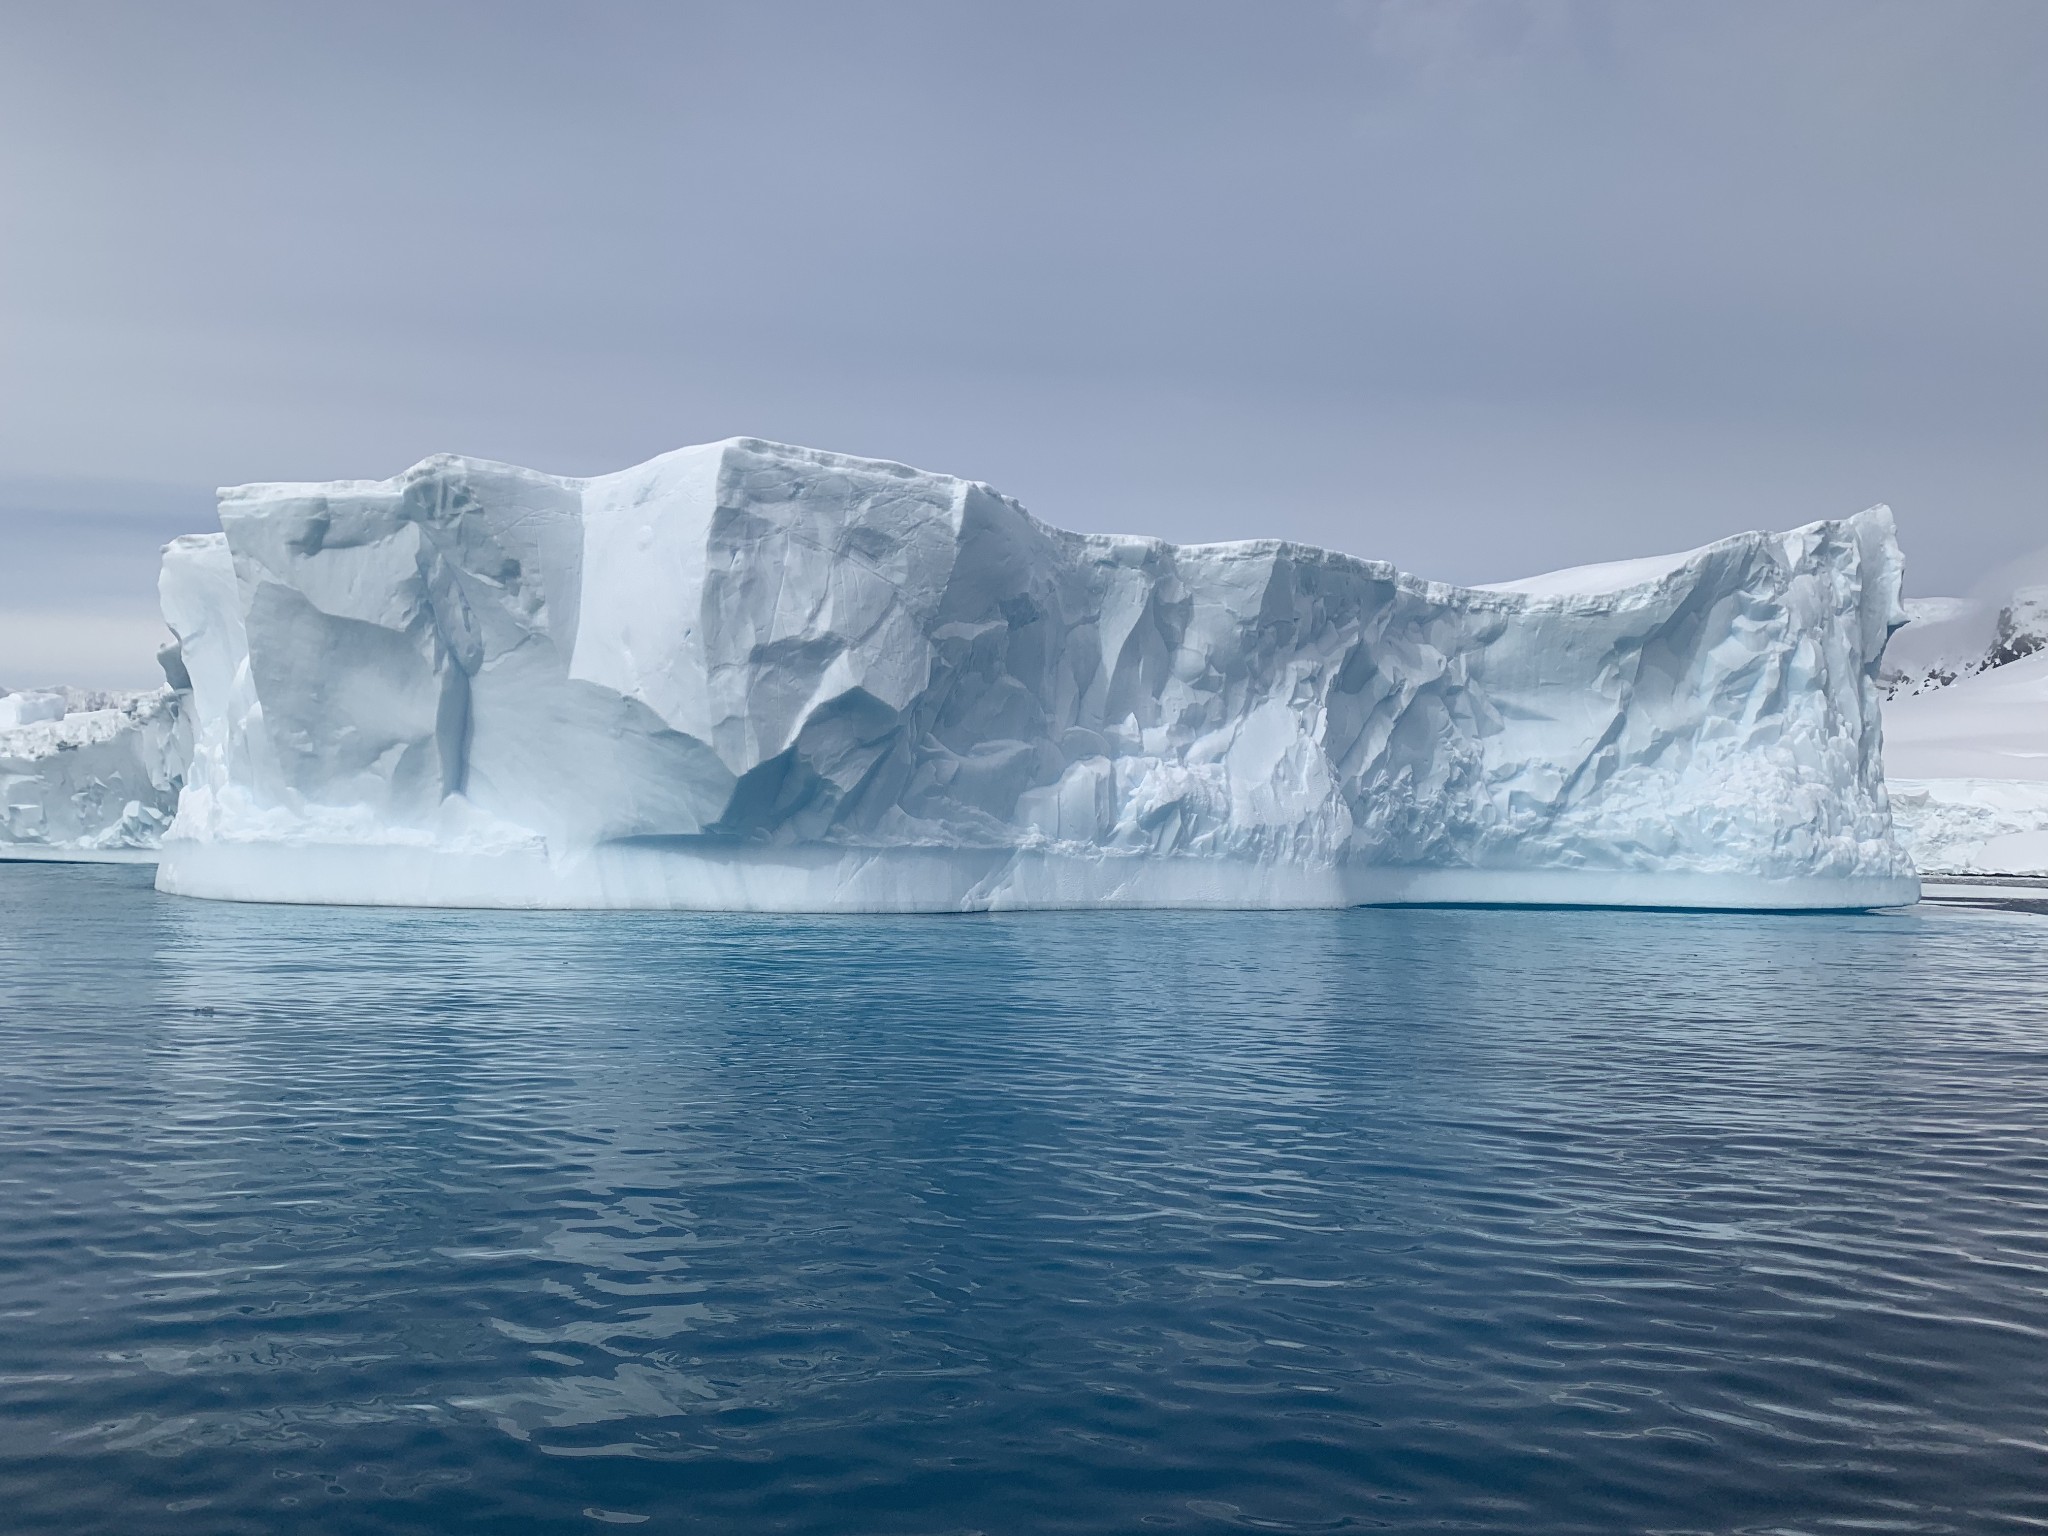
(1378, 1220)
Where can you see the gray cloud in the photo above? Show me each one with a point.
(1481, 288)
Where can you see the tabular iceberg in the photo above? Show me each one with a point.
(746, 675)
(88, 776)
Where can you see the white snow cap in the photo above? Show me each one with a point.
(752, 675)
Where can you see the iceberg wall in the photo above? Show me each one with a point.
(88, 776)
(746, 675)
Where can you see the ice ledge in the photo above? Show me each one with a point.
(941, 880)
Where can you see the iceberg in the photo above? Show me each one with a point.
(88, 776)
(752, 676)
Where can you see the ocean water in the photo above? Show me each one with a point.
(364, 1221)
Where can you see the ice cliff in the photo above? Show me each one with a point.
(746, 675)
(88, 775)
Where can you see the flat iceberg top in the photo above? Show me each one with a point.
(29, 707)
(38, 722)
(1600, 580)
(745, 673)
(1604, 579)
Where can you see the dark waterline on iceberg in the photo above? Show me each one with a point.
(376, 1220)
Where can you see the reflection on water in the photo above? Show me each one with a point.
(1520, 1221)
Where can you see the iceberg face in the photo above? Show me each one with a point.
(750, 675)
(88, 776)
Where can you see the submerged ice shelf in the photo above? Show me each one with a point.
(756, 676)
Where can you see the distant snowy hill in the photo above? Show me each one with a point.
(2004, 618)
(1966, 725)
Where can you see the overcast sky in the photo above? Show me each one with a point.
(1483, 288)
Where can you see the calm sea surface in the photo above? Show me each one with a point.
(359, 1221)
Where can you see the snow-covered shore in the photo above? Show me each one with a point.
(1967, 767)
